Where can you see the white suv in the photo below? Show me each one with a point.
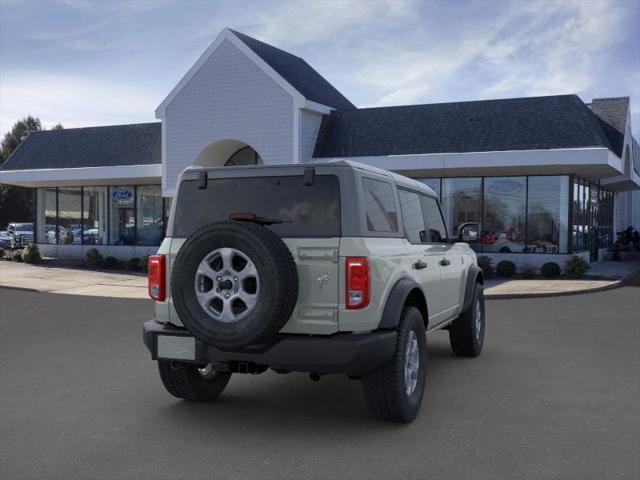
(323, 268)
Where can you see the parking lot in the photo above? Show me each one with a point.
(555, 394)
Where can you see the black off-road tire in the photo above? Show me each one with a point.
(385, 389)
(278, 285)
(463, 332)
(183, 380)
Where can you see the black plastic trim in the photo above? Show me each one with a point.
(396, 301)
(472, 278)
(350, 353)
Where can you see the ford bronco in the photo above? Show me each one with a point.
(322, 268)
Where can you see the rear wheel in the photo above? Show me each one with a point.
(466, 333)
(192, 382)
(395, 391)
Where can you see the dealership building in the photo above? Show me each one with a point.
(546, 177)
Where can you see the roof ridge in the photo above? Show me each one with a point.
(97, 126)
(468, 101)
(237, 33)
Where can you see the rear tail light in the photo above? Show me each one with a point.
(357, 287)
(156, 276)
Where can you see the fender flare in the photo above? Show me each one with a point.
(396, 301)
(473, 276)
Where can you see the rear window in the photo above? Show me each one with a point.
(308, 210)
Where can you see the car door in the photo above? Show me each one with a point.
(424, 262)
(444, 254)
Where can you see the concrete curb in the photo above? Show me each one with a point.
(509, 296)
(24, 289)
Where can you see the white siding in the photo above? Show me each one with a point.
(229, 97)
(309, 126)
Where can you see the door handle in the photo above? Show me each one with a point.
(419, 265)
(444, 262)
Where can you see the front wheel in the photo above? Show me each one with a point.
(394, 392)
(192, 382)
(466, 333)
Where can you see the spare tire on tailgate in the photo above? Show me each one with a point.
(234, 284)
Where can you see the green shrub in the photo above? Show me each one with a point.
(144, 263)
(110, 263)
(576, 267)
(16, 256)
(31, 254)
(506, 268)
(133, 264)
(550, 270)
(527, 271)
(93, 258)
(484, 263)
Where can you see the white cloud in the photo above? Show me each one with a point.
(72, 100)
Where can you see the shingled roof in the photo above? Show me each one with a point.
(534, 123)
(612, 113)
(298, 73)
(109, 146)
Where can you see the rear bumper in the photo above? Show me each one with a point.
(349, 353)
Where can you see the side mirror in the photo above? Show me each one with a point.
(468, 232)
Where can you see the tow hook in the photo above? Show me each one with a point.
(314, 376)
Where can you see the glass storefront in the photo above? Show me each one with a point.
(149, 215)
(528, 214)
(120, 215)
(547, 214)
(69, 216)
(503, 224)
(47, 214)
(94, 216)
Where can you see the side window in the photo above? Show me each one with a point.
(412, 216)
(437, 233)
(380, 207)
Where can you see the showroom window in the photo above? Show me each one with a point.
(46, 215)
(503, 228)
(94, 215)
(548, 214)
(69, 216)
(101, 215)
(122, 217)
(149, 215)
(461, 203)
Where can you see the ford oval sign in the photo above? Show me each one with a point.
(121, 194)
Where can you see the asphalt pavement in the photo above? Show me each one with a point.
(555, 394)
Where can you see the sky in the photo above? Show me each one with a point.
(85, 63)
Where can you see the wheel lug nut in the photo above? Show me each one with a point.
(235, 279)
(218, 278)
(226, 296)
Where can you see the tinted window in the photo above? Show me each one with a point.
(412, 216)
(307, 210)
(433, 220)
(380, 206)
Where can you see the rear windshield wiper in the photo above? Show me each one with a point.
(252, 217)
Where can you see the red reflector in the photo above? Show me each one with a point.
(357, 286)
(156, 277)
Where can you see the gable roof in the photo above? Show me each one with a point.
(116, 145)
(533, 123)
(298, 73)
(612, 113)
